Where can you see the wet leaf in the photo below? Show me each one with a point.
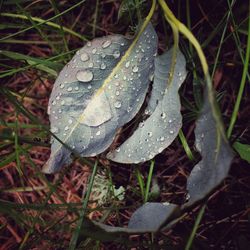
(160, 129)
(98, 91)
(216, 156)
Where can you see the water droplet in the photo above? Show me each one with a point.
(129, 109)
(118, 150)
(103, 55)
(124, 78)
(135, 69)
(91, 65)
(89, 44)
(70, 121)
(76, 88)
(106, 44)
(58, 97)
(118, 104)
(89, 86)
(59, 111)
(117, 93)
(54, 130)
(53, 102)
(66, 128)
(84, 75)
(115, 76)
(171, 131)
(170, 121)
(127, 64)
(69, 89)
(94, 50)
(98, 132)
(150, 134)
(141, 124)
(163, 115)
(61, 86)
(84, 57)
(162, 138)
(103, 66)
(122, 44)
(116, 54)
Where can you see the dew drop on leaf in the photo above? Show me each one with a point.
(116, 54)
(135, 69)
(103, 66)
(118, 104)
(84, 75)
(84, 57)
(106, 44)
(127, 64)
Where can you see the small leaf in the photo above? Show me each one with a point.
(98, 91)
(243, 150)
(161, 128)
(151, 216)
(216, 156)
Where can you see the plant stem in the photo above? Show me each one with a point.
(242, 85)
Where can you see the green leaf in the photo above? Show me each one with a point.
(216, 156)
(243, 150)
(161, 128)
(102, 88)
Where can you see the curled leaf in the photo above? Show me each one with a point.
(101, 89)
(160, 129)
(216, 156)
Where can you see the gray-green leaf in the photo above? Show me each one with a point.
(151, 216)
(216, 156)
(97, 92)
(162, 127)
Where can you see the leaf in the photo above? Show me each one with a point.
(243, 150)
(161, 128)
(147, 219)
(101, 89)
(216, 156)
(151, 216)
